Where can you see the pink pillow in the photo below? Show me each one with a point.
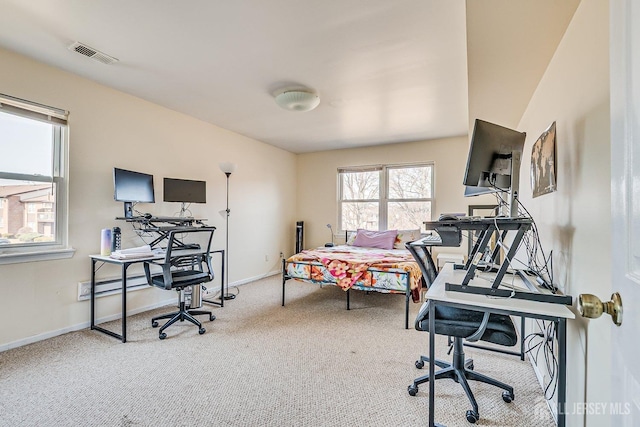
(375, 239)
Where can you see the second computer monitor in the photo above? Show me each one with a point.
(185, 191)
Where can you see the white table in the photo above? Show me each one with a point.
(124, 265)
(558, 313)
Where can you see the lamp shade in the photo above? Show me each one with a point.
(227, 167)
(298, 100)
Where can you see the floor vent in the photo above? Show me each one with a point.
(92, 53)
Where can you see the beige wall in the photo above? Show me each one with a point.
(574, 221)
(109, 128)
(318, 171)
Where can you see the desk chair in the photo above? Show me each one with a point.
(182, 268)
(461, 324)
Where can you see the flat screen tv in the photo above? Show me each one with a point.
(132, 187)
(494, 160)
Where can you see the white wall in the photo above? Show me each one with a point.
(317, 172)
(109, 128)
(574, 221)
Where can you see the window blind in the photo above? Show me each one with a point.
(33, 110)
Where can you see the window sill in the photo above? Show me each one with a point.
(45, 255)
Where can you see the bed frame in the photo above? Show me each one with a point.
(372, 270)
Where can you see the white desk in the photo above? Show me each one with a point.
(557, 313)
(124, 264)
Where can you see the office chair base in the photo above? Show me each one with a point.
(181, 315)
(460, 371)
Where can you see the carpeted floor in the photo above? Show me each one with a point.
(310, 363)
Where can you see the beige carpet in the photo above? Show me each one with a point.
(310, 363)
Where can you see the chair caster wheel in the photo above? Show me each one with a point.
(412, 389)
(419, 364)
(154, 324)
(472, 416)
(212, 318)
(507, 396)
(162, 336)
(201, 331)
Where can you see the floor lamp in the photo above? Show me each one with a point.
(227, 168)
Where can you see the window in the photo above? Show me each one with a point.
(391, 197)
(32, 177)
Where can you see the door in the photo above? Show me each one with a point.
(625, 202)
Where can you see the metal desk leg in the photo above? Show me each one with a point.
(93, 294)
(562, 372)
(122, 337)
(124, 302)
(221, 302)
(432, 358)
(522, 335)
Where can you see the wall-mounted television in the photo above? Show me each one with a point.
(132, 187)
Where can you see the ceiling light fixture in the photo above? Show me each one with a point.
(298, 100)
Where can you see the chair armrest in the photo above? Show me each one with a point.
(423, 315)
(166, 273)
(480, 331)
(147, 272)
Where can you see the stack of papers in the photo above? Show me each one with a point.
(133, 253)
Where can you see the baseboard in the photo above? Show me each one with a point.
(87, 324)
(80, 326)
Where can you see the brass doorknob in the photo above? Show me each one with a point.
(591, 307)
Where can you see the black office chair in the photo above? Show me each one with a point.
(184, 264)
(461, 324)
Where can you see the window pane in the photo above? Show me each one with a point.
(360, 215)
(408, 215)
(410, 183)
(26, 145)
(360, 185)
(28, 212)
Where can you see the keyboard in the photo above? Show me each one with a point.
(431, 240)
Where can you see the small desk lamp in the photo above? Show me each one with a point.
(227, 168)
(328, 245)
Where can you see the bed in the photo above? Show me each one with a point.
(357, 265)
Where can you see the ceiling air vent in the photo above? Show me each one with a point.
(92, 53)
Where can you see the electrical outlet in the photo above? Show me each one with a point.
(281, 255)
(84, 290)
(266, 258)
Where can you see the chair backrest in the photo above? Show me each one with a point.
(423, 257)
(187, 259)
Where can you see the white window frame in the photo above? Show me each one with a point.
(16, 253)
(383, 194)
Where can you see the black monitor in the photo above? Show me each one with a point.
(132, 187)
(494, 160)
(185, 191)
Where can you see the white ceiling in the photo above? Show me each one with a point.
(386, 71)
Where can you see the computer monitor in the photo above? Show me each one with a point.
(132, 187)
(494, 160)
(185, 191)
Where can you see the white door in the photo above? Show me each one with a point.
(625, 190)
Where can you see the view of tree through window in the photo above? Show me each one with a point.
(386, 197)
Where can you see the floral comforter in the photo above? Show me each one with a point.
(360, 268)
